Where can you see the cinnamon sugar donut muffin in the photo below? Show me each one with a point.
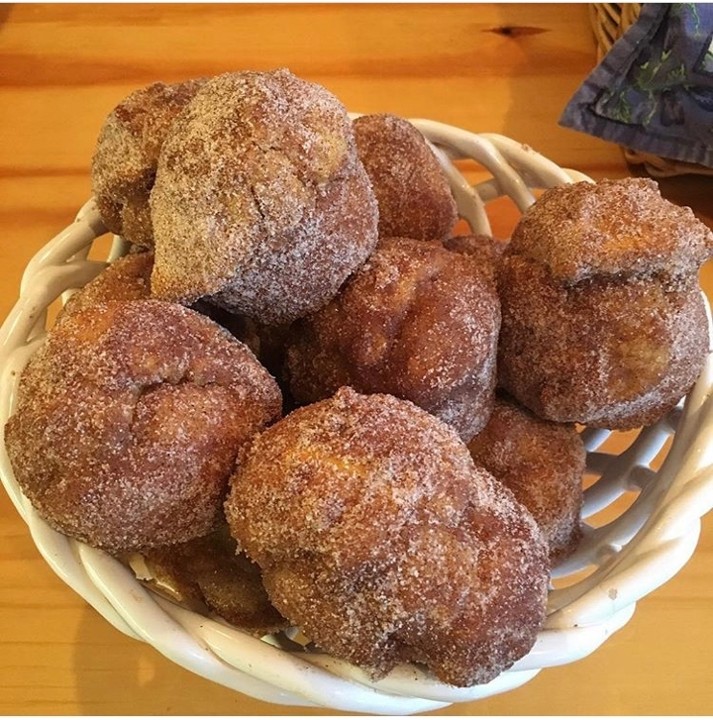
(485, 249)
(127, 278)
(210, 573)
(416, 321)
(260, 200)
(128, 422)
(603, 319)
(126, 156)
(380, 538)
(412, 191)
(543, 464)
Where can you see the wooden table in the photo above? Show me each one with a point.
(501, 68)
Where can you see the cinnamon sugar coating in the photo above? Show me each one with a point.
(378, 535)
(412, 190)
(126, 278)
(603, 322)
(209, 572)
(605, 353)
(129, 278)
(128, 422)
(126, 156)
(543, 464)
(260, 200)
(485, 250)
(611, 228)
(416, 321)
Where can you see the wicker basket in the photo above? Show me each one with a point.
(609, 22)
(639, 544)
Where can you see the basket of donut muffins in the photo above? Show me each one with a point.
(317, 437)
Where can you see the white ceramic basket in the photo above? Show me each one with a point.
(617, 563)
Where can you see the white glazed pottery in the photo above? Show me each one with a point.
(596, 589)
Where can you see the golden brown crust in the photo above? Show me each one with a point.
(485, 250)
(260, 199)
(127, 278)
(128, 422)
(210, 571)
(611, 228)
(126, 156)
(603, 323)
(543, 464)
(412, 190)
(606, 353)
(416, 321)
(378, 535)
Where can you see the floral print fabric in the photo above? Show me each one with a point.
(653, 91)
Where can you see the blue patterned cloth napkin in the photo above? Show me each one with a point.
(653, 91)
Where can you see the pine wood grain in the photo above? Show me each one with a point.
(499, 68)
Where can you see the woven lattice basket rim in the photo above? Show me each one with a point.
(640, 549)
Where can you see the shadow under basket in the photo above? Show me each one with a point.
(644, 501)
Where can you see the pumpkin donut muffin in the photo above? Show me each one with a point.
(416, 321)
(542, 463)
(126, 156)
(128, 422)
(260, 200)
(380, 538)
(412, 191)
(603, 319)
